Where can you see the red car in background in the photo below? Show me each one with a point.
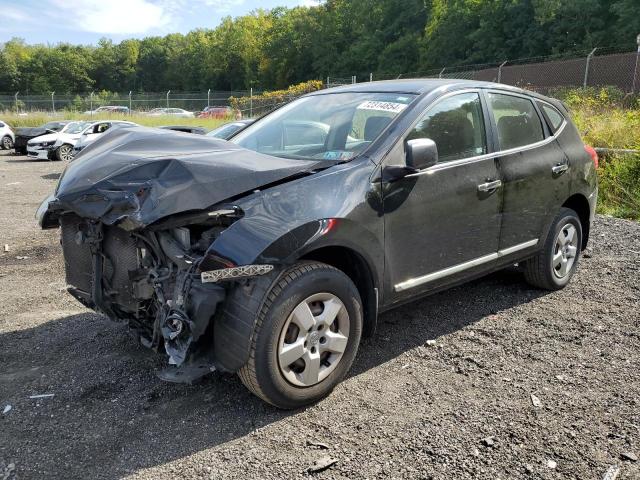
(220, 112)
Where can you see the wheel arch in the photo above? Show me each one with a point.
(354, 265)
(579, 204)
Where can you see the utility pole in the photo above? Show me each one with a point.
(168, 92)
(635, 70)
(53, 103)
(91, 103)
(500, 70)
(586, 68)
(16, 97)
(129, 102)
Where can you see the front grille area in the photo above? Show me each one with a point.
(118, 257)
(77, 255)
(121, 257)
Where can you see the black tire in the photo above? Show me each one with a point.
(262, 374)
(63, 151)
(7, 143)
(539, 271)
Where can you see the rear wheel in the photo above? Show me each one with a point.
(64, 152)
(306, 337)
(555, 264)
(7, 142)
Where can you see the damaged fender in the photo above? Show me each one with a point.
(281, 226)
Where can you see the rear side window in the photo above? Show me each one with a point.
(456, 126)
(554, 117)
(517, 121)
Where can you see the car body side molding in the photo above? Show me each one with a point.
(445, 272)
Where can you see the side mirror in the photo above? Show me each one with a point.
(421, 153)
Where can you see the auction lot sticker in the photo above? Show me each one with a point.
(392, 107)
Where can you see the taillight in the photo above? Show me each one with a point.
(593, 154)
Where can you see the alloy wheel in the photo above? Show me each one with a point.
(7, 143)
(565, 250)
(65, 153)
(313, 339)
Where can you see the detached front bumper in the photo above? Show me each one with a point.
(45, 153)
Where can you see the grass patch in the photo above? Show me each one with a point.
(36, 119)
(619, 178)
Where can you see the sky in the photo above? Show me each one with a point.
(86, 21)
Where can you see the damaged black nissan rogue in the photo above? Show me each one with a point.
(272, 254)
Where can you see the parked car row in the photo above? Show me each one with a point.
(221, 112)
(61, 140)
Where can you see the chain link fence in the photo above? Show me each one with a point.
(135, 102)
(597, 68)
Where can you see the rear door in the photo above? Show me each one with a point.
(444, 222)
(533, 170)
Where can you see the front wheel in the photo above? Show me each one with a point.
(64, 152)
(7, 142)
(555, 264)
(306, 338)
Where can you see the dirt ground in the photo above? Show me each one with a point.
(519, 383)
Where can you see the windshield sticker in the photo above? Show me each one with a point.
(337, 155)
(382, 106)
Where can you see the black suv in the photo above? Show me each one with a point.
(272, 254)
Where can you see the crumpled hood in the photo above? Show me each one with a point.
(136, 176)
(31, 131)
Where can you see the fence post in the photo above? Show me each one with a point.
(635, 69)
(209, 98)
(327, 82)
(91, 103)
(586, 68)
(129, 102)
(353, 79)
(53, 102)
(251, 102)
(500, 70)
(16, 97)
(371, 77)
(168, 92)
(441, 72)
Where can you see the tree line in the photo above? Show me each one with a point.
(276, 48)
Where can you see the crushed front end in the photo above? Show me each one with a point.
(151, 279)
(139, 212)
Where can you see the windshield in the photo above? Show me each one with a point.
(336, 126)
(55, 126)
(75, 127)
(226, 130)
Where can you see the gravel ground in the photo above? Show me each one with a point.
(490, 380)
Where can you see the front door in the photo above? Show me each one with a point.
(444, 222)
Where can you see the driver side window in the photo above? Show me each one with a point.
(456, 125)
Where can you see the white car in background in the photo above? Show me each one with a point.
(57, 145)
(171, 112)
(6, 136)
(94, 130)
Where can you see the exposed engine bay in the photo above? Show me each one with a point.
(151, 279)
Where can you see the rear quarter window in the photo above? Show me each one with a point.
(554, 117)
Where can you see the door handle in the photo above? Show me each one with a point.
(560, 168)
(490, 186)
